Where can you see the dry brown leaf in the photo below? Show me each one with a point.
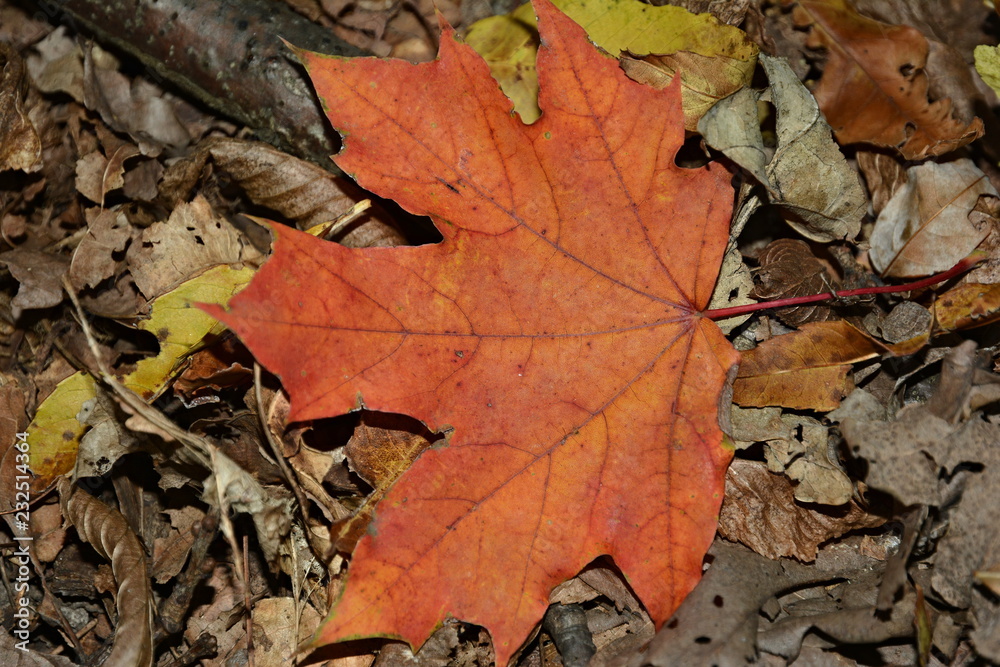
(170, 552)
(300, 190)
(142, 180)
(14, 656)
(806, 459)
(20, 146)
(760, 511)
(874, 87)
(718, 623)
(97, 175)
(278, 629)
(807, 369)
(134, 107)
(788, 268)
(191, 240)
(381, 450)
(108, 234)
(108, 532)
(825, 207)
(921, 458)
(56, 66)
(907, 320)
(929, 225)
(40, 277)
(883, 173)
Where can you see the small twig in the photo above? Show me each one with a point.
(279, 457)
(961, 267)
(246, 600)
(205, 646)
(173, 609)
(196, 447)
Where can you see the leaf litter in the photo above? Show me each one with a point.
(881, 504)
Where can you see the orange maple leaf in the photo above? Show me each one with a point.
(556, 329)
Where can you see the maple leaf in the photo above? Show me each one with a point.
(556, 329)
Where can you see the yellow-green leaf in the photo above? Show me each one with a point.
(715, 59)
(988, 65)
(55, 433)
(180, 328)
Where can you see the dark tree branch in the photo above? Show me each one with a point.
(226, 54)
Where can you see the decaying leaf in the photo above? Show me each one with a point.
(718, 623)
(922, 458)
(379, 453)
(733, 288)
(789, 269)
(20, 146)
(94, 260)
(988, 65)
(883, 172)
(966, 306)
(40, 276)
(874, 86)
(829, 204)
(932, 221)
(180, 328)
(55, 431)
(108, 532)
(301, 191)
(191, 240)
(555, 329)
(761, 512)
(97, 175)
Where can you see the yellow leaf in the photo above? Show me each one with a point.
(54, 433)
(180, 328)
(715, 59)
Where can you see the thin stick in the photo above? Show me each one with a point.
(732, 311)
(247, 602)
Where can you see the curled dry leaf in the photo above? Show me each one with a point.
(884, 174)
(829, 204)
(761, 512)
(932, 221)
(301, 191)
(20, 146)
(788, 268)
(108, 532)
(874, 87)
